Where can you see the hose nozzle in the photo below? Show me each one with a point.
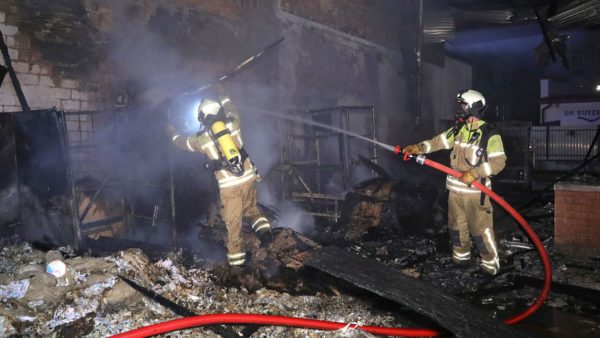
(397, 150)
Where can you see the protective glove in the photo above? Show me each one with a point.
(468, 177)
(413, 149)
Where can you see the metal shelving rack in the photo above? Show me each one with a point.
(317, 164)
(98, 142)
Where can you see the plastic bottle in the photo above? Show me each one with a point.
(55, 264)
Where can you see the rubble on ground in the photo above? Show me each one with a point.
(95, 302)
(91, 300)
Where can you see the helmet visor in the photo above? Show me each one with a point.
(462, 107)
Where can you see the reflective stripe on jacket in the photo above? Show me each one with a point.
(204, 144)
(466, 154)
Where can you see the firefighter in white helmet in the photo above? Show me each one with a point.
(221, 141)
(478, 153)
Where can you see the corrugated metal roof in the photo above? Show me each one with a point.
(438, 26)
(586, 12)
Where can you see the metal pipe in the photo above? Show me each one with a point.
(419, 65)
(545, 33)
(374, 126)
(172, 189)
(348, 149)
(61, 126)
(543, 111)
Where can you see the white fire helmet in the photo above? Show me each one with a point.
(207, 108)
(471, 101)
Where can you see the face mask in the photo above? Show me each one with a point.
(462, 114)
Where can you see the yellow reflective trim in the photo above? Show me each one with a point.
(488, 234)
(445, 141)
(233, 181)
(455, 181)
(187, 143)
(237, 255)
(462, 254)
(487, 168)
(427, 146)
(237, 262)
(260, 219)
(212, 153)
(262, 227)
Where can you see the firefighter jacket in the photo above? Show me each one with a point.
(467, 155)
(203, 143)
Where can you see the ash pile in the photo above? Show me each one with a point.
(93, 299)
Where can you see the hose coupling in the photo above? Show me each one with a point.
(421, 159)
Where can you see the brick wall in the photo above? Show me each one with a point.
(577, 219)
(42, 87)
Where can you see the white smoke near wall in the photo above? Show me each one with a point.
(142, 56)
(260, 132)
(293, 217)
(162, 69)
(161, 58)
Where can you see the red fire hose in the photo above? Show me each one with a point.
(526, 227)
(234, 318)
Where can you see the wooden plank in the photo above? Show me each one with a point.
(456, 315)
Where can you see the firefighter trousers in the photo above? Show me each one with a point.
(467, 216)
(238, 202)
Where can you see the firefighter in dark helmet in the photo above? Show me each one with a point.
(221, 141)
(478, 153)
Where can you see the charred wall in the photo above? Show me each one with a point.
(82, 55)
(79, 55)
(48, 77)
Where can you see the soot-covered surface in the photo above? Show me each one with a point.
(94, 302)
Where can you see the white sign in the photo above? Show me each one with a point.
(573, 114)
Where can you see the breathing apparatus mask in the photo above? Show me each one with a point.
(212, 116)
(468, 103)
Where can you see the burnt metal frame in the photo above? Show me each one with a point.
(18, 183)
(74, 146)
(288, 165)
(119, 117)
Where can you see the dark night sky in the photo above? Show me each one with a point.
(505, 66)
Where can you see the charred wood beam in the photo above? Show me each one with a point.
(583, 293)
(105, 221)
(306, 187)
(92, 200)
(456, 315)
